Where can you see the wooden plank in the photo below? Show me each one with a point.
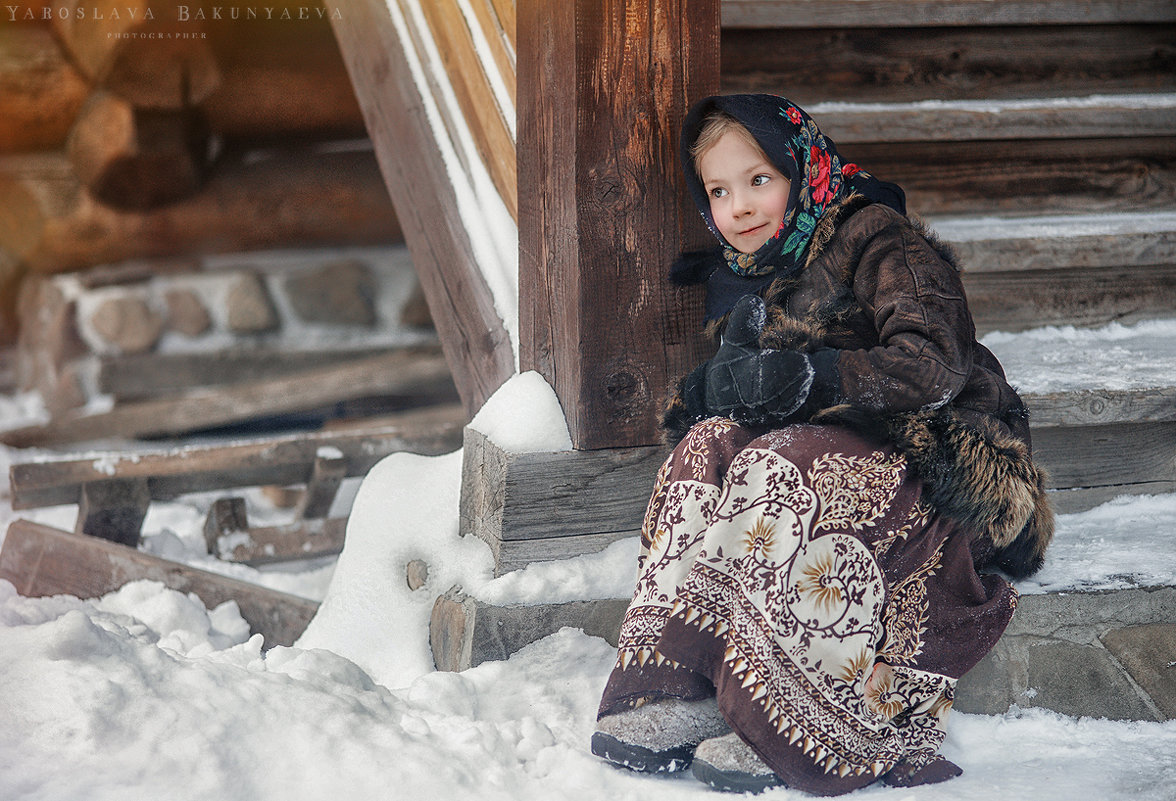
(992, 63)
(1106, 455)
(500, 42)
(42, 561)
(328, 472)
(915, 13)
(1102, 407)
(473, 336)
(1070, 501)
(467, 76)
(396, 372)
(504, 11)
(604, 209)
(516, 554)
(145, 375)
(1064, 118)
(1017, 301)
(263, 545)
(1071, 175)
(279, 460)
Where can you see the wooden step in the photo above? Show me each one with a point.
(916, 13)
(1024, 272)
(978, 62)
(1079, 653)
(529, 507)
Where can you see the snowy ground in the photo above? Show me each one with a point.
(147, 694)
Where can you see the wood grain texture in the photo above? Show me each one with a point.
(911, 13)
(304, 539)
(1017, 301)
(985, 63)
(1107, 455)
(42, 561)
(603, 86)
(475, 341)
(278, 460)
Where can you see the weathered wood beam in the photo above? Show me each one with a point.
(263, 545)
(42, 561)
(389, 374)
(603, 87)
(113, 509)
(273, 461)
(916, 13)
(472, 333)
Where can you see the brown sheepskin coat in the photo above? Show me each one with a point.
(881, 309)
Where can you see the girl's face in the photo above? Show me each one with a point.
(748, 196)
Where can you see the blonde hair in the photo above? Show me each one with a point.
(714, 125)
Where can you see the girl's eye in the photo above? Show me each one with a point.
(718, 192)
(760, 180)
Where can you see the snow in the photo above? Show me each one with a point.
(145, 693)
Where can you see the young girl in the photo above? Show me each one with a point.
(808, 591)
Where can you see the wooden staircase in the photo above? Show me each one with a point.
(1040, 140)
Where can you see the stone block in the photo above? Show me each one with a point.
(1148, 653)
(127, 324)
(1082, 680)
(186, 313)
(337, 293)
(250, 308)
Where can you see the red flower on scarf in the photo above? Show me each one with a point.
(794, 115)
(819, 174)
(849, 169)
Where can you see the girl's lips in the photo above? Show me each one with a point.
(752, 230)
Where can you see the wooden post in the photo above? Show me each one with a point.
(603, 210)
(114, 509)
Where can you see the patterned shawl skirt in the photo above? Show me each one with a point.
(797, 575)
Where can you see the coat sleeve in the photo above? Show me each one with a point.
(923, 327)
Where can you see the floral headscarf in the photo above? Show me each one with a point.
(809, 159)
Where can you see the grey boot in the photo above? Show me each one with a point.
(727, 763)
(659, 736)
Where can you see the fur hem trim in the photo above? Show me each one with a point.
(985, 479)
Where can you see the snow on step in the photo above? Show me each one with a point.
(1103, 115)
(1068, 359)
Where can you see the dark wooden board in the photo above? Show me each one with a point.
(907, 13)
(1107, 455)
(473, 336)
(1016, 301)
(42, 561)
(908, 64)
(598, 221)
(279, 460)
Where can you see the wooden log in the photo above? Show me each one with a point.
(917, 13)
(393, 373)
(278, 198)
(154, 53)
(42, 91)
(263, 545)
(113, 509)
(42, 561)
(990, 63)
(280, 80)
(274, 460)
(135, 158)
(1107, 455)
(604, 209)
(467, 76)
(472, 333)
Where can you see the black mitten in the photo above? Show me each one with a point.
(750, 384)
